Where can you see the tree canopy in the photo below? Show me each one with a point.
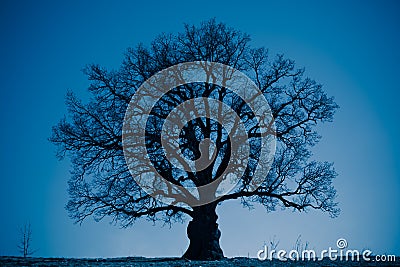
(101, 184)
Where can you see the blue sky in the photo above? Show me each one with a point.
(351, 48)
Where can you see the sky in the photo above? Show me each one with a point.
(351, 48)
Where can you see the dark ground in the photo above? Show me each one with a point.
(172, 262)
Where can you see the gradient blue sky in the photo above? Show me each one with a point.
(351, 48)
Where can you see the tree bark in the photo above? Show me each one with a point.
(204, 234)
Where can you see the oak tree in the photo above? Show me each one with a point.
(101, 184)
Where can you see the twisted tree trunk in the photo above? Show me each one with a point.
(204, 234)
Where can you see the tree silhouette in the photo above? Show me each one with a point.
(102, 185)
(25, 243)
